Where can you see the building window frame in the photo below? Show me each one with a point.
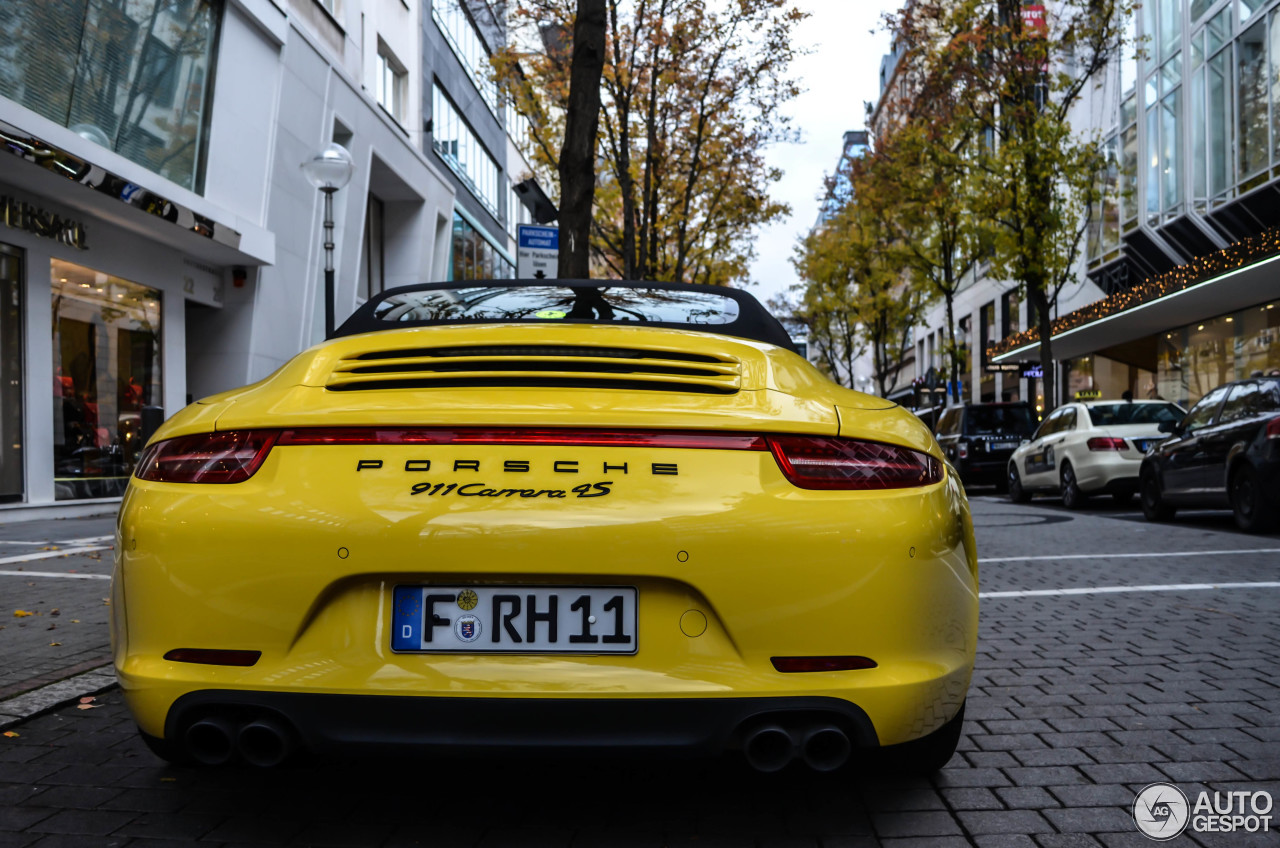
(460, 32)
(391, 82)
(460, 147)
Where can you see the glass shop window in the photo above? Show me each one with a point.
(134, 77)
(106, 367)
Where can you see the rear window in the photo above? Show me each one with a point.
(999, 420)
(1114, 414)
(552, 303)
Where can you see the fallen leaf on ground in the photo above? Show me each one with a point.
(52, 627)
(55, 644)
(88, 699)
(21, 613)
(168, 780)
(88, 706)
(55, 611)
(11, 734)
(75, 621)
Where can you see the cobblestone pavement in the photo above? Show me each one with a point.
(65, 630)
(1078, 701)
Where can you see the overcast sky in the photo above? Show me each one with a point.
(846, 40)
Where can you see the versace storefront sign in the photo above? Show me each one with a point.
(21, 215)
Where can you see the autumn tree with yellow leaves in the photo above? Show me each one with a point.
(691, 97)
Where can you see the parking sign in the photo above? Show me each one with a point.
(537, 252)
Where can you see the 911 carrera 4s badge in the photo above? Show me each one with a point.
(467, 628)
(481, 490)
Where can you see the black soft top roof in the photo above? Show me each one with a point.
(752, 321)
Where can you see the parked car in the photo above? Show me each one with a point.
(547, 516)
(1089, 448)
(1224, 454)
(979, 438)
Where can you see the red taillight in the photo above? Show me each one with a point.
(795, 664)
(230, 457)
(823, 462)
(1273, 428)
(519, 436)
(207, 656)
(1105, 443)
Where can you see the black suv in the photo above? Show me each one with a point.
(1225, 453)
(979, 438)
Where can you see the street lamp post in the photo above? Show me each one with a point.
(329, 170)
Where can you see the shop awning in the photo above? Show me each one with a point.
(1218, 295)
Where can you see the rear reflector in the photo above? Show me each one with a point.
(796, 664)
(823, 462)
(1106, 444)
(229, 457)
(213, 657)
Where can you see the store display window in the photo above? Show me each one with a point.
(106, 369)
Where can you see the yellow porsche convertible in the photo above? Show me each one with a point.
(547, 515)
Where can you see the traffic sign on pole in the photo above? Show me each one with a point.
(537, 252)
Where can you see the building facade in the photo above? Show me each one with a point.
(158, 240)
(1183, 248)
(1177, 286)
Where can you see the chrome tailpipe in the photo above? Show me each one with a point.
(210, 741)
(264, 743)
(768, 748)
(825, 747)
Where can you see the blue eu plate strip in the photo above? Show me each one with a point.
(406, 620)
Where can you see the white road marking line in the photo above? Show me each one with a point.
(87, 540)
(1108, 590)
(1131, 555)
(4, 573)
(52, 554)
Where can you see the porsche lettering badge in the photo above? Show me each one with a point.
(520, 466)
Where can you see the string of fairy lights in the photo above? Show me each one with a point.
(1239, 255)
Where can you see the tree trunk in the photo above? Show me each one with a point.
(1044, 321)
(578, 153)
(953, 373)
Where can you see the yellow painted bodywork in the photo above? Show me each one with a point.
(299, 562)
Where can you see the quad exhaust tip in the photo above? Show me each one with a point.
(825, 748)
(772, 747)
(264, 743)
(217, 740)
(211, 741)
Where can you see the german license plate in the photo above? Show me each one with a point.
(995, 446)
(515, 619)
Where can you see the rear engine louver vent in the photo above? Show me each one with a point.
(536, 366)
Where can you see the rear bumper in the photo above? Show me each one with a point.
(390, 726)
(1107, 472)
(988, 471)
